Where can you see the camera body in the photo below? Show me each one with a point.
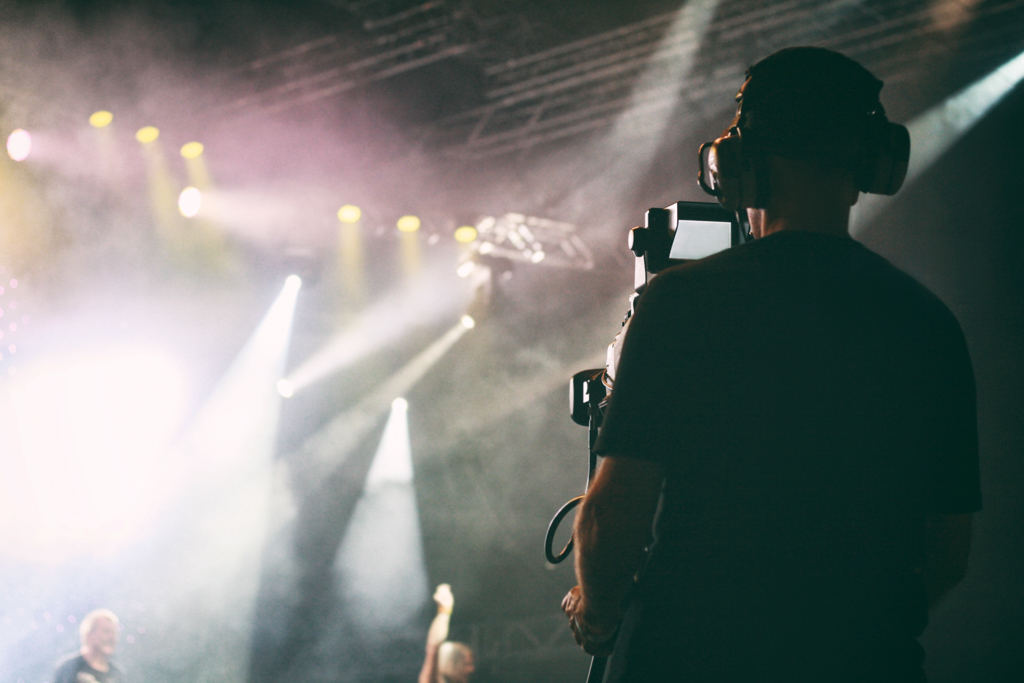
(684, 231)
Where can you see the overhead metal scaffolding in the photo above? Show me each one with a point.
(536, 98)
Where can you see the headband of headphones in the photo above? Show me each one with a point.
(806, 102)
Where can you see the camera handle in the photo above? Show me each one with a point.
(592, 397)
(587, 387)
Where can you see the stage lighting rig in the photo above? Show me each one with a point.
(518, 238)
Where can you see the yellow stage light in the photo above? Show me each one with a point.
(349, 214)
(191, 150)
(101, 119)
(465, 234)
(147, 134)
(408, 224)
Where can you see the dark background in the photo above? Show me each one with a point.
(452, 128)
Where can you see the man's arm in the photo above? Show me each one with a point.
(613, 527)
(947, 545)
(438, 632)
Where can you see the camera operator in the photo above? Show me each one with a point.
(805, 413)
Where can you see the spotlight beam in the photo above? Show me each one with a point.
(335, 465)
(627, 151)
(239, 420)
(385, 584)
(233, 502)
(934, 132)
(380, 324)
(290, 625)
(341, 435)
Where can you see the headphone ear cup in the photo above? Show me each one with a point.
(887, 155)
(733, 173)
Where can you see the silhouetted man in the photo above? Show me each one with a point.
(91, 664)
(806, 412)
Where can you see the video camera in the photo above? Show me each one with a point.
(684, 231)
(677, 234)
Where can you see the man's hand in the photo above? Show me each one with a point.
(613, 526)
(444, 599)
(438, 632)
(595, 639)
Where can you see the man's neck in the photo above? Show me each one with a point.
(840, 228)
(97, 660)
(807, 198)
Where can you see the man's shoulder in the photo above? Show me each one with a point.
(67, 668)
(839, 257)
(69, 661)
(73, 667)
(904, 292)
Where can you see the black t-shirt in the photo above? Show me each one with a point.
(74, 669)
(809, 403)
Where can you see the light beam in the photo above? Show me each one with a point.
(385, 583)
(233, 498)
(343, 433)
(381, 324)
(935, 131)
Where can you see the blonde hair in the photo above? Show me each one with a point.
(85, 628)
(450, 656)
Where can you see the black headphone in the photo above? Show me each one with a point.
(738, 172)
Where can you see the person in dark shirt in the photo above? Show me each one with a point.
(92, 663)
(806, 414)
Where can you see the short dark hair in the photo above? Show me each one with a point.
(808, 102)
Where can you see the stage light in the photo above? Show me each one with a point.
(101, 119)
(147, 134)
(285, 388)
(349, 214)
(468, 322)
(408, 223)
(191, 150)
(465, 234)
(530, 239)
(189, 202)
(19, 145)
(466, 269)
(292, 283)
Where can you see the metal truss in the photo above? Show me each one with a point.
(590, 84)
(526, 639)
(397, 36)
(540, 97)
(497, 645)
